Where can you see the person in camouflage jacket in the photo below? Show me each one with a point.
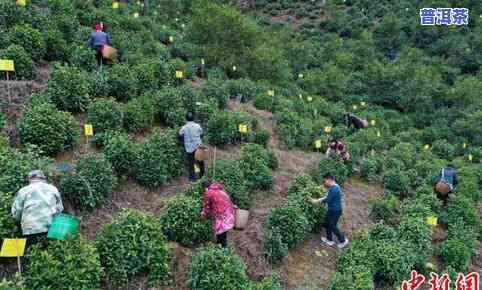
(35, 205)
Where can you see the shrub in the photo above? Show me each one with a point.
(443, 149)
(105, 115)
(70, 264)
(456, 254)
(51, 130)
(159, 159)
(263, 102)
(169, 106)
(8, 225)
(397, 181)
(217, 268)
(261, 136)
(24, 68)
(291, 223)
(419, 235)
(460, 207)
(56, 46)
(181, 222)
(384, 208)
(29, 38)
(274, 247)
(122, 153)
(92, 181)
(69, 88)
(131, 245)
(370, 168)
(230, 175)
(122, 81)
(82, 57)
(217, 90)
(394, 260)
(254, 166)
(334, 166)
(139, 114)
(268, 283)
(359, 254)
(221, 129)
(356, 279)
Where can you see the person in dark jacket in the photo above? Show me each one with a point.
(97, 40)
(335, 209)
(336, 146)
(355, 121)
(448, 175)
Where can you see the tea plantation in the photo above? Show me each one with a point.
(270, 82)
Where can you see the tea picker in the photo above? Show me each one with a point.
(191, 135)
(355, 121)
(446, 181)
(100, 42)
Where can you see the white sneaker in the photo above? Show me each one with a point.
(327, 242)
(344, 244)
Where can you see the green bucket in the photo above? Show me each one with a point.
(63, 225)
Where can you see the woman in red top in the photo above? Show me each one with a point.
(338, 147)
(217, 203)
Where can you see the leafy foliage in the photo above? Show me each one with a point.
(70, 264)
(182, 222)
(51, 130)
(24, 67)
(139, 114)
(29, 38)
(334, 166)
(105, 114)
(131, 245)
(122, 153)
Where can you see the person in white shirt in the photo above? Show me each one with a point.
(191, 134)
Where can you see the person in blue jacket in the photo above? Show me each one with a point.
(97, 40)
(448, 175)
(335, 209)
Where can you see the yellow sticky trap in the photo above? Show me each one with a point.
(196, 168)
(171, 38)
(271, 93)
(318, 144)
(13, 247)
(355, 107)
(136, 15)
(309, 99)
(372, 152)
(471, 157)
(432, 221)
(88, 130)
(327, 129)
(234, 68)
(243, 128)
(21, 2)
(363, 104)
(300, 76)
(179, 74)
(7, 65)
(379, 134)
(426, 147)
(202, 61)
(115, 5)
(464, 145)
(373, 122)
(318, 253)
(183, 25)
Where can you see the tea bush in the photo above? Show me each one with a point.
(260, 136)
(169, 106)
(263, 102)
(51, 130)
(69, 88)
(456, 254)
(122, 153)
(394, 260)
(384, 208)
(105, 115)
(24, 67)
(254, 167)
(274, 247)
(291, 223)
(8, 225)
(217, 268)
(334, 166)
(268, 283)
(396, 181)
(122, 82)
(221, 129)
(92, 181)
(56, 46)
(29, 38)
(370, 168)
(460, 207)
(70, 264)
(159, 159)
(181, 222)
(82, 57)
(230, 175)
(139, 114)
(217, 90)
(131, 245)
(356, 279)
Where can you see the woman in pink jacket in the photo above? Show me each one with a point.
(217, 203)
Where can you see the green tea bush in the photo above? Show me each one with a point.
(82, 57)
(105, 115)
(460, 207)
(254, 163)
(456, 254)
(122, 153)
(51, 130)
(131, 245)
(221, 129)
(92, 181)
(181, 222)
(261, 136)
(217, 90)
(444, 149)
(246, 89)
(384, 208)
(397, 181)
(230, 175)
(69, 88)
(122, 82)
(217, 268)
(159, 159)
(268, 283)
(334, 166)
(371, 167)
(170, 107)
(29, 38)
(274, 247)
(355, 279)
(263, 102)
(56, 46)
(394, 260)
(291, 223)
(419, 235)
(139, 114)
(24, 67)
(70, 264)
(359, 254)
(8, 225)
